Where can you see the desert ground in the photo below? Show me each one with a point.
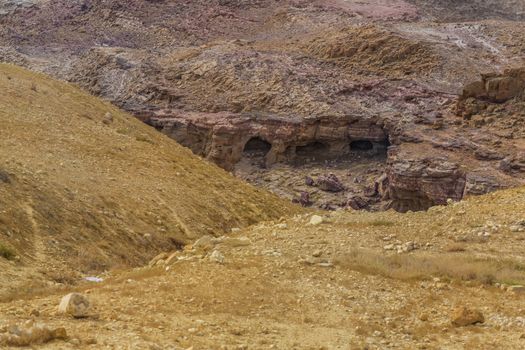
(225, 174)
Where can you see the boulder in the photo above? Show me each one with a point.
(308, 181)
(30, 333)
(74, 304)
(464, 316)
(357, 203)
(330, 183)
(316, 220)
(217, 257)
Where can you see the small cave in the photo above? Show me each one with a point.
(257, 147)
(312, 151)
(361, 145)
(370, 147)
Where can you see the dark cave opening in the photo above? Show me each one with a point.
(361, 145)
(257, 147)
(311, 150)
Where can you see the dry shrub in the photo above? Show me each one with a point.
(455, 248)
(419, 267)
(6, 252)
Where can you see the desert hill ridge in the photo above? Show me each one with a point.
(85, 185)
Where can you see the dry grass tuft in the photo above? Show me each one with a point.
(6, 252)
(450, 266)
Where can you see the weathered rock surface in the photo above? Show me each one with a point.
(329, 183)
(30, 333)
(464, 316)
(253, 85)
(74, 304)
(414, 184)
(498, 87)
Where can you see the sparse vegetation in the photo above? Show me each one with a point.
(424, 267)
(6, 252)
(381, 223)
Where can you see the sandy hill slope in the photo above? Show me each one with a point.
(344, 280)
(84, 184)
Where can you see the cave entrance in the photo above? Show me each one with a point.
(311, 152)
(370, 148)
(361, 145)
(257, 147)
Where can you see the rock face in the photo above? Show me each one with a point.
(256, 86)
(74, 304)
(415, 184)
(498, 87)
(225, 138)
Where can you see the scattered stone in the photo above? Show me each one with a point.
(304, 200)
(217, 257)
(407, 247)
(4, 177)
(309, 181)
(34, 313)
(316, 220)
(357, 202)
(93, 279)
(108, 118)
(518, 226)
(74, 304)
(330, 183)
(317, 253)
(30, 333)
(157, 258)
(326, 264)
(464, 316)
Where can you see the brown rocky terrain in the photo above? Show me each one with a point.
(164, 250)
(83, 185)
(312, 85)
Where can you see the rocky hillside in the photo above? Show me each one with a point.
(84, 185)
(449, 278)
(361, 92)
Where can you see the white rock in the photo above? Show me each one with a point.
(74, 304)
(316, 220)
(217, 257)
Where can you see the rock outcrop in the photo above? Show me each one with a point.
(223, 138)
(30, 333)
(498, 88)
(415, 184)
(305, 86)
